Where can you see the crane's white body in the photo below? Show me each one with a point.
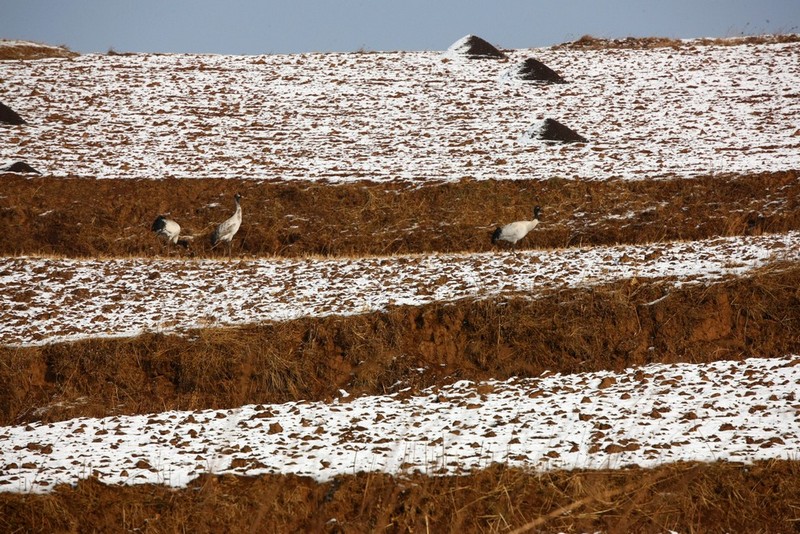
(226, 230)
(513, 232)
(166, 229)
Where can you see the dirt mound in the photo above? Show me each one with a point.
(534, 70)
(9, 116)
(551, 130)
(19, 167)
(112, 52)
(475, 47)
(698, 497)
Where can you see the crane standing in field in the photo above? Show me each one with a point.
(227, 229)
(513, 232)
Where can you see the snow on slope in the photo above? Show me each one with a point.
(737, 411)
(32, 49)
(407, 116)
(417, 117)
(44, 300)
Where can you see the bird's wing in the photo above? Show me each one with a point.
(226, 228)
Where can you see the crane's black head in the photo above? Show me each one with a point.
(237, 197)
(536, 212)
(496, 235)
(158, 224)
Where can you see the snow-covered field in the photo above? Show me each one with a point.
(419, 116)
(736, 411)
(50, 300)
(415, 117)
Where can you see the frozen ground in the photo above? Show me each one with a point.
(414, 117)
(406, 116)
(46, 300)
(735, 411)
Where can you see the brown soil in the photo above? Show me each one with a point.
(718, 497)
(629, 323)
(89, 218)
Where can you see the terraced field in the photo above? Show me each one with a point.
(365, 358)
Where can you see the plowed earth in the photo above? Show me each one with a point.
(645, 256)
(408, 116)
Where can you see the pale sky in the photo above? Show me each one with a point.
(289, 26)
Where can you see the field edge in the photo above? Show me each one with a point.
(684, 497)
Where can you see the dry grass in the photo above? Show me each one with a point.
(638, 43)
(720, 497)
(102, 218)
(612, 327)
(31, 50)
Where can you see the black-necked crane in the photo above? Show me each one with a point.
(513, 232)
(227, 229)
(167, 230)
